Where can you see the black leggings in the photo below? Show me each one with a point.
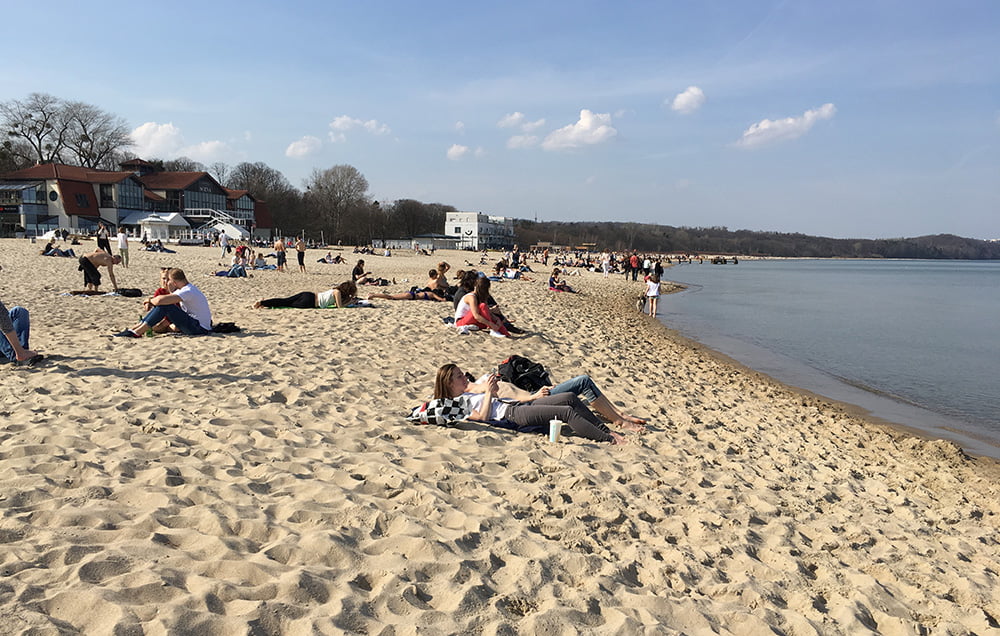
(301, 300)
(565, 407)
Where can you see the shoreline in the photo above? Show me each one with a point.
(860, 399)
(976, 436)
(268, 478)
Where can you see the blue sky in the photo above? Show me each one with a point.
(848, 119)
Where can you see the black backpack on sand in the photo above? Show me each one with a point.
(523, 373)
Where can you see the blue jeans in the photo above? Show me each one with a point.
(181, 319)
(22, 327)
(581, 385)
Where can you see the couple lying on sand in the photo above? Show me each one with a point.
(489, 399)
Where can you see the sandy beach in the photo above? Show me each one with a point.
(266, 482)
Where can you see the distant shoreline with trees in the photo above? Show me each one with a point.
(665, 239)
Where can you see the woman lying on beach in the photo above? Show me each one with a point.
(586, 389)
(481, 405)
(340, 296)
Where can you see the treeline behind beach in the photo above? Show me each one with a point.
(720, 240)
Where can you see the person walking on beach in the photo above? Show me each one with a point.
(16, 327)
(123, 246)
(300, 253)
(89, 264)
(652, 292)
(633, 262)
(224, 244)
(185, 306)
(605, 263)
(103, 239)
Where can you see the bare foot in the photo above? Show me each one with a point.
(28, 354)
(634, 427)
(258, 305)
(618, 440)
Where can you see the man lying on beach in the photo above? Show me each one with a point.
(16, 327)
(89, 264)
(185, 306)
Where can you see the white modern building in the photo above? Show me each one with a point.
(478, 231)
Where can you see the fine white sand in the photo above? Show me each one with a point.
(266, 482)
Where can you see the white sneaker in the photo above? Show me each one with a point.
(496, 334)
(463, 331)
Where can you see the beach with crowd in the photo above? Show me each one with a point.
(163, 476)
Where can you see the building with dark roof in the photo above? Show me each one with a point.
(50, 196)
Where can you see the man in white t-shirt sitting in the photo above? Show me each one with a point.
(185, 306)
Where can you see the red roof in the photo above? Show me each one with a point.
(74, 195)
(235, 194)
(62, 171)
(172, 180)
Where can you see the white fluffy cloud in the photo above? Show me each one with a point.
(457, 151)
(157, 140)
(304, 147)
(166, 141)
(590, 129)
(345, 123)
(519, 120)
(767, 131)
(511, 120)
(460, 127)
(522, 141)
(688, 101)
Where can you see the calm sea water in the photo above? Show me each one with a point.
(914, 342)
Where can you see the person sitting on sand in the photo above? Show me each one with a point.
(432, 279)
(185, 306)
(164, 326)
(467, 283)
(557, 285)
(481, 405)
(441, 281)
(339, 297)
(15, 324)
(52, 250)
(260, 263)
(472, 310)
(89, 264)
(359, 275)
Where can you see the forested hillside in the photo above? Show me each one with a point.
(720, 240)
